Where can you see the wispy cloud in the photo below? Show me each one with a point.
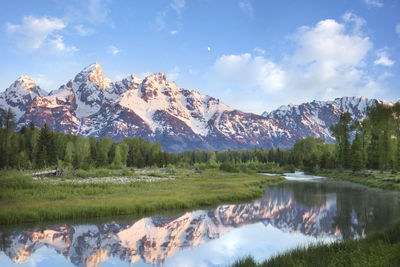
(383, 58)
(247, 8)
(36, 33)
(144, 74)
(351, 18)
(94, 12)
(160, 24)
(83, 30)
(177, 5)
(114, 50)
(173, 74)
(173, 32)
(374, 3)
(397, 29)
(248, 71)
(259, 51)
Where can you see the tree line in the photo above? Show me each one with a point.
(372, 143)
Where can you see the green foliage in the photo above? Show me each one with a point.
(380, 249)
(356, 154)
(24, 200)
(46, 154)
(341, 132)
(376, 146)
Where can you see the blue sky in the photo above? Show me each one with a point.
(253, 55)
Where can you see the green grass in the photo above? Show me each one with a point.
(385, 180)
(25, 200)
(380, 249)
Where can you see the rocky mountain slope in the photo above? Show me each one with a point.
(316, 117)
(158, 110)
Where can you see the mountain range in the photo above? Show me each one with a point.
(155, 239)
(156, 109)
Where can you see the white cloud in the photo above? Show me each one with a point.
(119, 76)
(383, 58)
(209, 49)
(398, 29)
(178, 5)
(144, 74)
(374, 3)
(57, 45)
(83, 30)
(114, 50)
(160, 21)
(330, 59)
(248, 71)
(43, 81)
(94, 12)
(358, 22)
(247, 8)
(33, 33)
(259, 51)
(173, 32)
(173, 74)
(97, 11)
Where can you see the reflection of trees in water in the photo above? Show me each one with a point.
(358, 210)
(318, 209)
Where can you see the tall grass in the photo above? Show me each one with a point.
(380, 249)
(383, 180)
(24, 200)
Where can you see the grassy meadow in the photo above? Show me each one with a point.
(373, 178)
(24, 199)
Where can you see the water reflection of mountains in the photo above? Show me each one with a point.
(315, 209)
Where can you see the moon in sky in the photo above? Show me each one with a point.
(209, 49)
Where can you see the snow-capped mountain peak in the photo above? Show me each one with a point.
(24, 85)
(93, 73)
(20, 94)
(158, 110)
(315, 118)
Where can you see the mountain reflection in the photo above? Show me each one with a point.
(319, 209)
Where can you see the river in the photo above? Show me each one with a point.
(300, 211)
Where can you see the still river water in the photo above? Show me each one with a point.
(300, 211)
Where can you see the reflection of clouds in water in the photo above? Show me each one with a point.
(289, 215)
(43, 257)
(257, 239)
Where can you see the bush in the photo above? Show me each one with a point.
(82, 173)
(17, 182)
(228, 167)
(102, 172)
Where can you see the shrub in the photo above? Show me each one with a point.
(81, 173)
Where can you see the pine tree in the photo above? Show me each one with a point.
(46, 149)
(41, 156)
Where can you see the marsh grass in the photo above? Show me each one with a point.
(24, 200)
(379, 249)
(383, 180)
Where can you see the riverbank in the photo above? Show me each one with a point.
(383, 180)
(379, 249)
(24, 199)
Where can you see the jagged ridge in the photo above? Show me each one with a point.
(158, 110)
